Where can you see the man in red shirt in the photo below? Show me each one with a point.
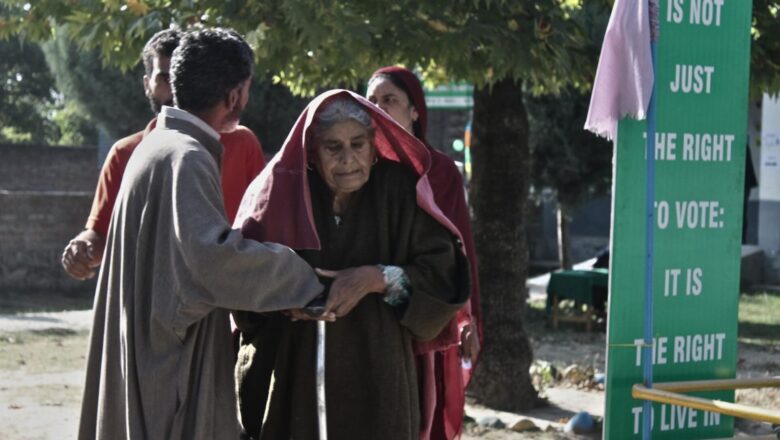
(241, 162)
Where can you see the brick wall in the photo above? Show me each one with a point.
(45, 197)
(36, 168)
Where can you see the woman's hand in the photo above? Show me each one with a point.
(350, 286)
(469, 342)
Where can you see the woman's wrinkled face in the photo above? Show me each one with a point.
(394, 101)
(343, 155)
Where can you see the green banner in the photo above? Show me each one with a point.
(702, 66)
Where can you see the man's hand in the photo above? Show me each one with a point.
(83, 254)
(469, 342)
(350, 286)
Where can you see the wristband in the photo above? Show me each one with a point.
(397, 286)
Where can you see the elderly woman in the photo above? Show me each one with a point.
(349, 192)
(444, 364)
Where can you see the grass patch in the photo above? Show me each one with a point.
(759, 318)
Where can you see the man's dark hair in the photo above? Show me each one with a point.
(161, 44)
(206, 66)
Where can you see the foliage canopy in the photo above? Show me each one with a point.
(307, 44)
(32, 110)
(573, 162)
(26, 93)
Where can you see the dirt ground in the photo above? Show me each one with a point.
(42, 359)
(576, 357)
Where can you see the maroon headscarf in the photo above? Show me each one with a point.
(442, 407)
(407, 81)
(277, 205)
(443, 175)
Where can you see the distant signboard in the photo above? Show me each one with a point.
(770, 150)
(703, 57)
(453, 96)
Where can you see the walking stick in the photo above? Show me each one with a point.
(321, 411)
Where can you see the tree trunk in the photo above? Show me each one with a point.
(498, 195)
(564, 240)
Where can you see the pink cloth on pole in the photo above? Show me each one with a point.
(624, 78)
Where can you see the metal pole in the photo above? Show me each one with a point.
(322, 418)
(647, 349)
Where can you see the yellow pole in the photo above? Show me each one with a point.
(732, 409)
(718, 385)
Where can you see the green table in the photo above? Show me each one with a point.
(581, 286)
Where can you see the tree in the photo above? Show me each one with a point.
(26, 93)
(112, 98)
(271, 111)
(498, 195)
(499, 45)
(575, 163)
(75, 127)
(765, 48)
(31, 108)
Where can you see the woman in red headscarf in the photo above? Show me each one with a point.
(444, 364)
(349, 192)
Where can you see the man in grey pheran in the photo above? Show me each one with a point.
(160, 363)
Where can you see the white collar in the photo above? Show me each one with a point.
(184, 115)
